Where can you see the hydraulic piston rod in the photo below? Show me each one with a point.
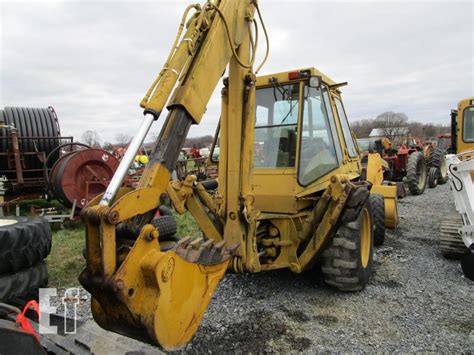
(127, 160)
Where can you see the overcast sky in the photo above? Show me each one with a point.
(93, 61)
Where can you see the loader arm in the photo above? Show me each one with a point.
(137, 289)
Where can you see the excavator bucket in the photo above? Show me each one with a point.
(159, 297)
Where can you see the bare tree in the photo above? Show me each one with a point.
(108, 146)
(362, 128)
(91, 138)
(393, 124)
(122, 140)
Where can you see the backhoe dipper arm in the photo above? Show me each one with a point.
(143, 292)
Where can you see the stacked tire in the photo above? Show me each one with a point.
(24, 244)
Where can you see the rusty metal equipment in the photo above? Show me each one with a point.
(27, 136)
(81, 175)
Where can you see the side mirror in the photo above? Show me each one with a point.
(315, 82)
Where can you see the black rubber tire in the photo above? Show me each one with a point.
(451, 243)
(438, 160)
(432, 177)
(23, 243)
(416, 173)
(467, 264)
(341, 260)
(166, 226)
(378, 212)
(23, 283)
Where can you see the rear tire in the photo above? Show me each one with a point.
(24, 241)
(347, 260)
(432, 177)
(438, 160)
(416, 173)
(378, 211)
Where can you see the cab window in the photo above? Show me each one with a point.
(275, 126)
(346, 131)
(319, 147)
(468, 125)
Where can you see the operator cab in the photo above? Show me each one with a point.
(301, 135)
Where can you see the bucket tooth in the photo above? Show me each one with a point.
(183, 243)
(207, 244)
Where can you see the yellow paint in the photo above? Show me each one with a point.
(266, 214)
(463, 106)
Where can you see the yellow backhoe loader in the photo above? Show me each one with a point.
(288, 194)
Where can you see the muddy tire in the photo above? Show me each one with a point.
(438, 160)
(451, 243)
(378, 212)
(416, 173)
(467, 264)
(24, 242)
(347, 260)
(432, 177)
(23, 283)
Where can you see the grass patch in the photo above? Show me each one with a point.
(65, 261)
(187, 226)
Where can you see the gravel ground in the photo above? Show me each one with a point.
(415, 301)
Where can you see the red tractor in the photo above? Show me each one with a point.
(410, 161)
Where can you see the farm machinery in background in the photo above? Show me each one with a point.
(36, 162)
(411, 161)
(457, 230)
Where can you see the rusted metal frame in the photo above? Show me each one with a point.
(17, 156)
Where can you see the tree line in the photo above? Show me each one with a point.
(393, 124)
(92, 139)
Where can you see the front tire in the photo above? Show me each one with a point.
(378, 212)
(347, 260)
(432, 177)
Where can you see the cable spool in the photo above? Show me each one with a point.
(82, 175)
(38, 131)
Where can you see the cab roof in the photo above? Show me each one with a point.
(283, 77)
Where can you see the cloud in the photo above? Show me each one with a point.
(93, 61)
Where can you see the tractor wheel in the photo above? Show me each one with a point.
(467, 264)
(24, 242)
(432, 177)
(347, 260)
(416, 173)
(378, 211)
(23, 283)
(451, 243)
(438, 160)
